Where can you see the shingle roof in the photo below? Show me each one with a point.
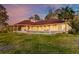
(41, 22)
(25, 22)
(50, 21)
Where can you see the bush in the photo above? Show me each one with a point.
(4, 31)
(74, 25)
(73, 31)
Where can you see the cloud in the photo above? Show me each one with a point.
(16, 12)
(19, 12)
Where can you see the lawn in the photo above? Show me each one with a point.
(19, 43)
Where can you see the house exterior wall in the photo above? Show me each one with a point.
(48, 27)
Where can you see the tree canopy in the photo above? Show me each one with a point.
(3, 17)
(66, 13)
(51, 14)
(36, 17)
(48, 16)
(3, 14)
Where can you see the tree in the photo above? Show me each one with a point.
(65, 14)
(49, 15)
(36, 17)
(68, 15)
(75, 26)
(30, 17)
(3, 18)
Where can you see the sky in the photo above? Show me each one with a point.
(20, 12)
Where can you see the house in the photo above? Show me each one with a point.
(51, 25)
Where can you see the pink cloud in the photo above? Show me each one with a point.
(15, 12)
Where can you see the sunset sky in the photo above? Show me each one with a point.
(24, 11)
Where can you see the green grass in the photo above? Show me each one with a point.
(16, 43)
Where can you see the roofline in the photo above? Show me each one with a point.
(37, 23)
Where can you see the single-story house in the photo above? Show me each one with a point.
(51, 25)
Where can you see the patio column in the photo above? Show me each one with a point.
(49, 29)
(13, 28)
(17, 28)
(28, 28)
